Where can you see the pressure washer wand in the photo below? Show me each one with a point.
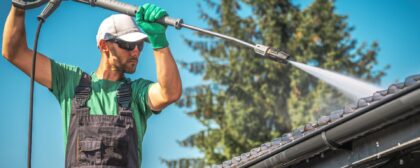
(261, 50)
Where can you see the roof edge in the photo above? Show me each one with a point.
(344, 130)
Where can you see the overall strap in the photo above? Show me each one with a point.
(124, 99)
(82, 95)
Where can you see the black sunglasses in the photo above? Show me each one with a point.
(129, 46)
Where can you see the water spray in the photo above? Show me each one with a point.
(351, 87)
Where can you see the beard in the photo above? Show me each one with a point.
(129, 66)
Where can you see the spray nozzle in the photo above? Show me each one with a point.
(272, 53)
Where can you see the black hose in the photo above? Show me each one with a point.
(31, 98)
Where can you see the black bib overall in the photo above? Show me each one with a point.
(101, 141)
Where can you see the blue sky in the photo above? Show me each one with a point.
(68, 36)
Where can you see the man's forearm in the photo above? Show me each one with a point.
(168, 74)
(14, 35)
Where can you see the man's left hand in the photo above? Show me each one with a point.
(146, 18)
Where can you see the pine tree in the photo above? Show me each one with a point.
(248, 100)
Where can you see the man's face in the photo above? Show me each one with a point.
(122, 59)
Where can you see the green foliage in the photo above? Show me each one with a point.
(250, 100)
(185, 162)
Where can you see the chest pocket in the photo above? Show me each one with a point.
(102, 144)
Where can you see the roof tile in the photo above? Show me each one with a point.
(323, 120)
(349, 108)
(377, 96)
(310, 127)
(361, 103)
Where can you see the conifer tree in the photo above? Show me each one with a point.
(247, 100)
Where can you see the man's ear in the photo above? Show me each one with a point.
(102, 46)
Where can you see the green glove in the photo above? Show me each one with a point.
(145, 18)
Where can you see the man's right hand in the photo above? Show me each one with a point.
(16, 51)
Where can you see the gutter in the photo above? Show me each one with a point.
(391, 108)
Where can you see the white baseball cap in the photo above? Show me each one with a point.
(119, 26)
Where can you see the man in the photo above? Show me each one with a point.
(104, 113)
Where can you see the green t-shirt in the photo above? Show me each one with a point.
(103, 100)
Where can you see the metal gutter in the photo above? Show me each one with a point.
(374, 116)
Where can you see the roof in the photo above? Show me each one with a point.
(332, 131)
